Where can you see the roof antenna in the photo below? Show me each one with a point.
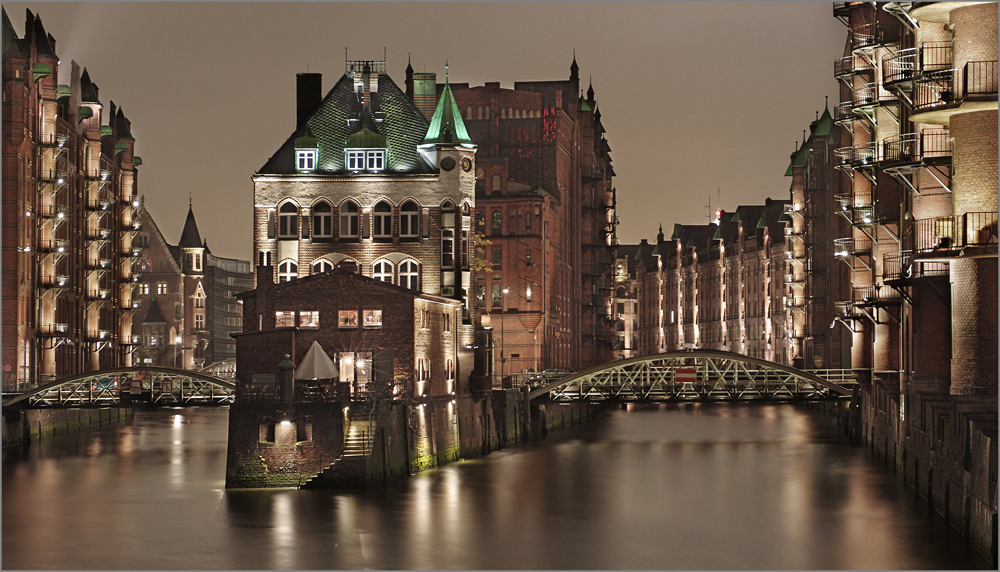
(446, 70)
(383, 54)
(189, 201)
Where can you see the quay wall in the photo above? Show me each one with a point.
(22, 426)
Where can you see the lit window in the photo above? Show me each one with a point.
(321, 266)
(347, 319)
(199, 321)
(322, 220)
(349, 220)
(309, 319)
(346, 366)
(497, 294)
(375, 160)
(373, 318)
(382, 227)
(382, 270)
(161, 287)
(409, 275)
(305, 160)
(284, 319)
(408, 220)
(144, 288)
(447, 249)
(355, 160)
(288, 221)
(287, 270)
(449, 369)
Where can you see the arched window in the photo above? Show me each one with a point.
(287, 270)
(468, 112)
(495, 184)
(480, 112)
(503, 113)
(348, 220)
(382, 270)
(288, 221)
(408, 227)
(322, 220)
(383, 221)
(322, 265)
(487, 112)
(409, 275)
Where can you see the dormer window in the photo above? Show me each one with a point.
(305, 160)
(371, 160)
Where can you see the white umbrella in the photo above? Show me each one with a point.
(316, 365)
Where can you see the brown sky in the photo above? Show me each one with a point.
(694, 96)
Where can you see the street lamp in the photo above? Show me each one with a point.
(177, 342)
(503, 299)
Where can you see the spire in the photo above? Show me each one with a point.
(574, 70)
(590, 92)
(88, 89)
(190, 237)
(446, 125)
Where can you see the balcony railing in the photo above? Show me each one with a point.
(873, 295)
(932, 145)
(857, 157)
(885, 30)
(57, 329)
(871, 94)
(54, 280)
(98, 335)
(976, 229)
(849, 65)
(851, 246)
(975, 80)
(98, 294)
(99, 263)
(844, 111)
(911, 63)
(53, 245)
(98, 233)
(901, 266)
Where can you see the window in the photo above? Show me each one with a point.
(424, 319)
(305, 160)
(447, 249)
(373, 318)
(446, 320)
(408, 227)
(497, 256)
(480, 295)
(449, 369)
(497, 222)
(322, 265)
(144, 288)
(495, 184)
(355, 160)
(497, 294)
(382, 223)
(288, 270)
(423, 369)
(309, 319)
(481, 222)
(161, 287)
(347, 319)
(349, 220)
(382, 270)
(288, 219)
(527, 256)
(527, 221)
(375, 159)
(199, 321)
(284, 319)
(322, 220)
(346, 366)
(409, 275)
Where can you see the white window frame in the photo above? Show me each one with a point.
(287, 270)
(382, 270)
(288, 221)
(409, 274)
(349, 220)
(375, 160)
(321, 265)
(305, 160)
(161, 288)
(199, 321)
(355, 159)
(409, 226)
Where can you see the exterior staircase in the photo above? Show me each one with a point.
(350, 468)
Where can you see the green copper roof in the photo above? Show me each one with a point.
(824, 125)
(40, 70)
(718, 233)
(677, 231)
(105, 130)
(446, 124)
(10, 39)
(84, 112)
(762, 223)
(63, 91)
(120, 146)
(784, 218)
(136, 161)
(366, 138)
(800, 157)
(307, 141)
(656, 250)
(583, 105)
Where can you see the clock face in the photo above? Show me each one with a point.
(448, 163)
(466, 164)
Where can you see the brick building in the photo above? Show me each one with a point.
(546, 204)
(367, 182)
(188, 307)
(69, 210)
(919, 163)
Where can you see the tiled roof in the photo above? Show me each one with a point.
(404, 127)
(190, 237)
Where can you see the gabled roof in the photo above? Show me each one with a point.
(403, 126)
(41, 39)
(446, 125)
(190, 237)
(10, 39)
(88, 90)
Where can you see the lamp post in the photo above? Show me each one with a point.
(177, 342)
(503, 301)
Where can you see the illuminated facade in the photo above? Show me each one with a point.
(367, 183)
(188, 307)
(69, 214)
(546, 204)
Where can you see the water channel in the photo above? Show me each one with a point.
(681, 486)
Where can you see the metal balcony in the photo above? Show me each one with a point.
(850, 65)
(851, 246)
(53, 245)
(99, 264)
(900, 267)
(886, 30)
(945, 89)
(98, 234)
(871, 95)
(98, 335)
(858, 157)
(98, 294)
(874, 295)
(928, 146)
(905, 66)
(843, 112)
(55, 329)
(54, 280)
(949, 235)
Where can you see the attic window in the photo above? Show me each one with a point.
(371, 160)
(305, 160)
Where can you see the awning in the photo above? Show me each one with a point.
(316, 365)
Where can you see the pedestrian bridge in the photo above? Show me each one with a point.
(157, 385)
(696, 375)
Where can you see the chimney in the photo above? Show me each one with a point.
(425, 92)
(309, 92)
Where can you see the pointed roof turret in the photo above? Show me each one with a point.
(590, 93)
(42, 39)
(88, 89)
(574, 70)
(190, 237)
(10, 39)
(447, 126)
(123, 126)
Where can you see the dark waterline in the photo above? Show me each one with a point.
(720, 486)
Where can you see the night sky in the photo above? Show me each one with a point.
(695, 96)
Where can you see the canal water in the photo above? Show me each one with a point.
(682, 486)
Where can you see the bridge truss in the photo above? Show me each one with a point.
(697, 375)
(162, 386)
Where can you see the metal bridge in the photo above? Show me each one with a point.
(157, 385)
(696, 375)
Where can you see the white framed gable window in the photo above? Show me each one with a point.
(372, 160)
(305, 160)
(355, 159)
(375, 159)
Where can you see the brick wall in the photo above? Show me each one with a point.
(974, 326)
(975, 160)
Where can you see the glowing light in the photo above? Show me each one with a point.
(286, 422)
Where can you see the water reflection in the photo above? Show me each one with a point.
(676, 487)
